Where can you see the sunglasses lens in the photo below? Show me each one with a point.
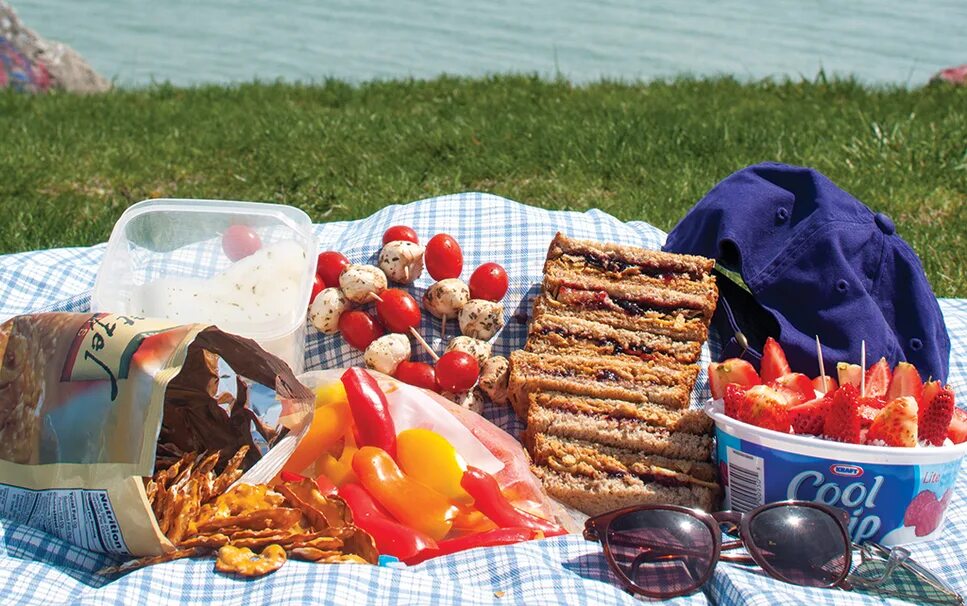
(664, 553)
(804, 545)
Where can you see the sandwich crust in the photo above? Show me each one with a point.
(692, 266)
(551, 333)
(602, 493)
(676, 326)
(601, 376)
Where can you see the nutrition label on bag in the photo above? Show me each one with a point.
(82, 517)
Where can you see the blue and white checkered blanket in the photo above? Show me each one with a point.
(36, 568)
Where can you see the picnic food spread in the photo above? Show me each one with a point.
(605, 378)
(349, 464)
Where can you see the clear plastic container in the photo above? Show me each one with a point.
(166, 259)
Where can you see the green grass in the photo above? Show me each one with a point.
(70, 165)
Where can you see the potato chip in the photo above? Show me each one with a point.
(280, 517)
(201, 511)
(334, 509)
(362, 544)
(316, 517)
(326, 543)
(244, 561)
(311, 554)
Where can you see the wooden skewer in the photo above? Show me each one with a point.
(822, 367)
(426, 346)
(863, 368)
(443, 327)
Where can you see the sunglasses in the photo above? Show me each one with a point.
(664, 551)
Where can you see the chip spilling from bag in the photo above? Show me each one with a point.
(128, 435)
(251, 529)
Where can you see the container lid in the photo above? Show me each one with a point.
(166, 258)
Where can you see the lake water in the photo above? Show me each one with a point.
(196, 41)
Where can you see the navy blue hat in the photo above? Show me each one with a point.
(816, 261)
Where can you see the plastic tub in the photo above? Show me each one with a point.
(893, 495)
(165, 259)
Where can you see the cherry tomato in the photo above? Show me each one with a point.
(329, 265)
(239, 241)
(398, 310)
(400, 232)
(359, 329)
(489, 281)
(457, 371)
(443, 257)
(419, 374)
(317, 286)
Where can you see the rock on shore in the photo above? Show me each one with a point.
(32, 63)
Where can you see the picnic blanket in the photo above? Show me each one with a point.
(36, 568)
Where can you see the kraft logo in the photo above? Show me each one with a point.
(847, 471)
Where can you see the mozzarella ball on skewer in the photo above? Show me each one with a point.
(480, 350)
(326, 308)
(401, 261)
(445, 298)
(360, 282)
(481, 319)
(385, 353)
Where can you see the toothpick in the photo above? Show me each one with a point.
(406, 274)
(443, 327)
(822, 367)
(863, 368)
(425, 345)
(374, 297)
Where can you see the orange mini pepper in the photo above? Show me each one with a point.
(430, 459)
(330, 422)
(339, 469)
(409, 501)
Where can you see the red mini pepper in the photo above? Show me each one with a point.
(391, 537)
(325, 485)
(288, 476)
(370, 410)
(491, 538)
(488, 498)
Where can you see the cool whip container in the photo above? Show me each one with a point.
(892, 495)
(166, 259)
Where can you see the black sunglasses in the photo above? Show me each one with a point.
(664, 551)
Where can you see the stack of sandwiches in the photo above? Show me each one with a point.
(605, 379)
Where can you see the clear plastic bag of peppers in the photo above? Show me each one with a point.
(423, 476)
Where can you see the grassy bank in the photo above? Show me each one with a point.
(70, 165)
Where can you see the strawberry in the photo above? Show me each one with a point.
(766, 407)
(878, 379)
(774, 363)
(796, 386)
(935, 417)
(906, 382)
(867, 414)
(828, 386)
(734, 398)
(930, 391)
(842, 422)
(807, 419)
(896, 425)
(732, 370)
(957, 432)
(849, 373)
